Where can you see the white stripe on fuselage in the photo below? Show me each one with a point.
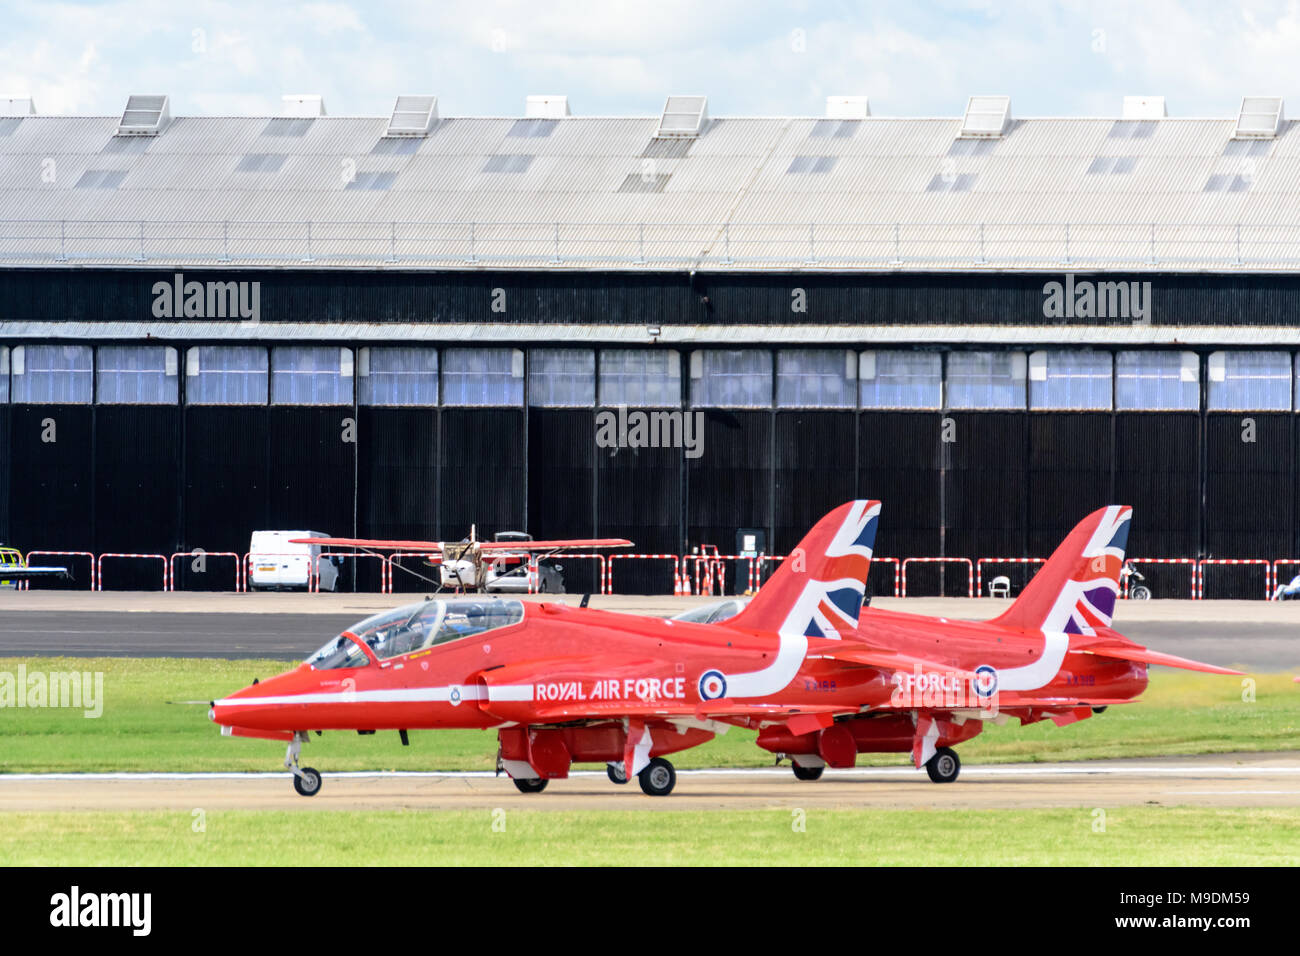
(401, 695)
(1042, 671)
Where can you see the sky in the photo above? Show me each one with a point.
(751, 58)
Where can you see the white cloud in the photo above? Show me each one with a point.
(623, 57)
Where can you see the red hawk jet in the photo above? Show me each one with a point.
(821, 679)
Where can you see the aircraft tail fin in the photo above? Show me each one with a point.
(818, 589)
(1075, 591)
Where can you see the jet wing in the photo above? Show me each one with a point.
(1142, 655)
(710, 710)
(859, 652)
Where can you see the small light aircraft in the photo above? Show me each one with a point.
(819, 677)
(470, 565)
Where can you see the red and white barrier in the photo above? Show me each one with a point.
(1191, 561)
(602, 570)
(67, 554)
(970, 570)
(396, 559)
(1267, 565)
(979, 568)
(898, 572)
(609, 581)
(200, 553)
(166, 566)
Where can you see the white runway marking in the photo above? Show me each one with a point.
(1044, 770)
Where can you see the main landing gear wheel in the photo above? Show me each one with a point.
(616, 772)
(944, 766)
(658, 778)
(533, 785)
(307, 781)
(807, 773)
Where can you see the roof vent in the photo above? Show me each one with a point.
(16, 105)
(1260, 117)
(1144, 108)
(546, 107)
(144, 116)
(683, 117)
(413, 116)
(847, 107)
(302, 105)
(986, 117)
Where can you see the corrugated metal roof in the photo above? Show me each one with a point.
(750, 193)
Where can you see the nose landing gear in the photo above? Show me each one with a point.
(306, 780)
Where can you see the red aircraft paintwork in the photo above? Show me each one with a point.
(821, 678)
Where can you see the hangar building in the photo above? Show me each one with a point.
(402, 325)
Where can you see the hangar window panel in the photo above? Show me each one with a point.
(397, 376)
(311, 375)
(51, 374)
(640, 378)
(483, 377)
(816, 378)
(226, 375)
(1249, 381)
(900, 379)
(986, 380)
(1157, 381)
(562, 378)
(1066, 379)
(731, 378)
(136, 375)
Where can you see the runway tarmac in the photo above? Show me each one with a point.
(1253, 635)
(1218, 780)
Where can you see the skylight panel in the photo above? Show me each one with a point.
(1260, 117)
(260, 163)
(101, 179)
(683, 116)
(986, 117)
(412, 116)
(144, 116)
(637, 183)
(508, 163)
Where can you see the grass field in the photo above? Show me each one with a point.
(146, 725)
(1138, 835)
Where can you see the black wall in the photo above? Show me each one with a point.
(622, 298)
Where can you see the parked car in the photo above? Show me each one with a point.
(277, 564)
(510, 578)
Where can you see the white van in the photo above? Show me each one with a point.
(276, 563)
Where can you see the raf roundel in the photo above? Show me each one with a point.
(986, 680)
(712, 685)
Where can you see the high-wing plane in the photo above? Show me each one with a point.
(818, 676)
(464, 565)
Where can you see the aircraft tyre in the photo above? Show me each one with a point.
(807, 773)
(616, 772)
(307, 781)
(658, 778)
(533, 785)
(944, 766)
